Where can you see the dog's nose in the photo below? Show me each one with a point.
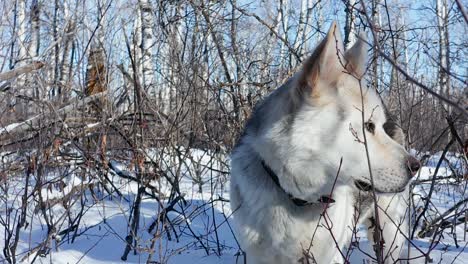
(413, 165)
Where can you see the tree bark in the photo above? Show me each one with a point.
(147, 42)
(350, 27)
(444, 59)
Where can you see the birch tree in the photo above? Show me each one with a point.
(301, 27)
(28, 42)
(283, 11)
(22, 31)
(270, 44)
(22, 53)
(147, 44)
(350, 26)
(173, 58)
(35, 39)
(68, 51)
(444, 48)
(377, 21)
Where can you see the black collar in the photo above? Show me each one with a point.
(295, 200)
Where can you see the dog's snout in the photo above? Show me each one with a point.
(413, 165)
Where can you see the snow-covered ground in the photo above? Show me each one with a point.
(199, 230)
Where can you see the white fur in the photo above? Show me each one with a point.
(393, 216)
(303, 144)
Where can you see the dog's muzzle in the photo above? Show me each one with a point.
(367, 187)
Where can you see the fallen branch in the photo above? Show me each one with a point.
(35, 122)
(21, 70)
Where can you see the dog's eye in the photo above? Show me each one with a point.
(370, 126)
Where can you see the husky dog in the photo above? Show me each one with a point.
(301, 161)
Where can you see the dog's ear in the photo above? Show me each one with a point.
(356, 57)
(325, 64)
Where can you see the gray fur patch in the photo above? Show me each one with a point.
(284, 99)
(394, 131)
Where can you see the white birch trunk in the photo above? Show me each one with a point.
(136, 45)
(284, 20)
(137, 58)
(404, 44)
(442, 23)
(307, 36)
(320, 19)
(301, 36)
(350, 29)
(376, 20)
(270, 46)
(34, 44)
(22, 31)
(168, 94)
(65, 66)
(147, 43)
(21, 107)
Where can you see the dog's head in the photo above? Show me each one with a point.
(324, 114)
(342, 112)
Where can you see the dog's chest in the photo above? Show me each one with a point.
(332, 229)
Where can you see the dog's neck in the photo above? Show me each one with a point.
(324, 199)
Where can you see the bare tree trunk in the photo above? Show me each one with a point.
(319, 17)
(22, 49)
(444, 60)
(376, 19)
(307, 36)
(395, 89)
(22, 30)
(66, 64)
(270, 44)
(35, 40)
(350, 27)
(147, 43)
(26, 52)
(241, 90)
(174, 56)
(284, 20)
(442, 23)
(136, 53)
(217, 41)
(13, 31)
(300, 36)
(404, 44)
(55, 91)
(96, 72)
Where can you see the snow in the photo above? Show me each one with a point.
(200, 230)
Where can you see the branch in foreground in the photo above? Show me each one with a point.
(462, 10)
(422, 86)
(376, 46)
